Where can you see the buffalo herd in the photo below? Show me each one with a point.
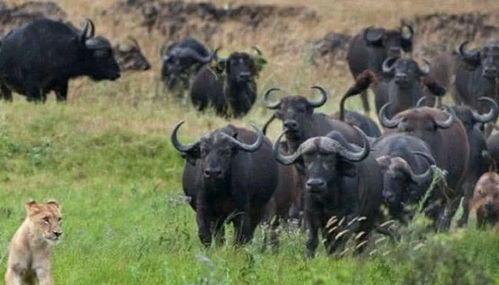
(334, 173)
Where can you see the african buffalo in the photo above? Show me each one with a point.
(405, 162)
(370, 49)
(130, 57)
(343, 189)
(402, 89)
(477, 166)
(447, 139)
(43, 55)
(230, 176)
(181, 61)
(300, 122)
(477, 76)
(229, 87)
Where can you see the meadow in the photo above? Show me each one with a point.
(105, 156)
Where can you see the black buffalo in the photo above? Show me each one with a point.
(43, 55)
(343, 189)
(370, 49)
(477, 75)
(300, 122)
(405, 162)
(403, 88)
(447, 139)
(230, 176)
(229, 87)
(181, 61)
(477, 166)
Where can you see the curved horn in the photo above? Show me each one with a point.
(178, 146)
(284, 159)
(214, 54)
(134, 41)
(426, 70)
(346, 151)
(467, 55)
(385, 122)
(420, 102)
(492, 114)
(194, 54)
(248, 147)
(447, 123)
(388, 65)
(257, 50)
(267, 124)
(425, 176)
(369, 38)
(84, 31)
(411, 31)
(266, 95)
(323, 99)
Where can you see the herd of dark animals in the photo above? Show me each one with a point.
(333, 172)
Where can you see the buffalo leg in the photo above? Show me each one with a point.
(242, 227)
(468, 193)
(5, 93)
(219, 230)
(445, 218)
(204, 227)
(312, 235)
(61, 91)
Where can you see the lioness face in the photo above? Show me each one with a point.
(46, 218)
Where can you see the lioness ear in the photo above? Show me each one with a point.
(53, 202)
(29, 205)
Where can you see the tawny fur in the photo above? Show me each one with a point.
(30, 251)
(487, 193)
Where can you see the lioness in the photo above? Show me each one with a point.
(486, 200)
(30, 251)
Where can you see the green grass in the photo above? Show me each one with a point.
(111, 166)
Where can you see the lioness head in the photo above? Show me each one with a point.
(486, 199)
(45, 219)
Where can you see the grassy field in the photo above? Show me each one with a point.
(106, 157)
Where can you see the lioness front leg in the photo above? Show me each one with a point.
(44, 276)
(12, 278)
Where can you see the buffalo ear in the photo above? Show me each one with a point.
(258, 62)
(471, 62)
(432, 85)
(192, 155)
(346, 168)
(220, 66)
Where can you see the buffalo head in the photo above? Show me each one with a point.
(182, 59)
(130, 57)
(471, 118)
(326, 159)
(400, 184)
(294, 111)
(419, 120)
(393, 42)
(487, 57)
(99, 62)
(215, 150)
